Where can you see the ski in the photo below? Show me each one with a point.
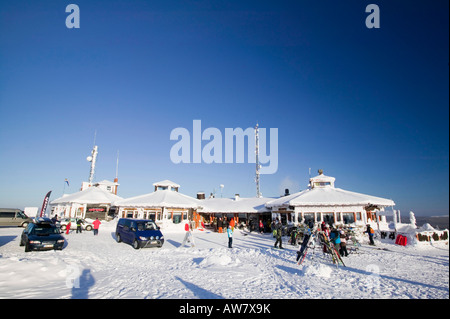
(335, 256)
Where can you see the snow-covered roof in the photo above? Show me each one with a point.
(240, 205)
(160, 198)
(91, 195)
(167, 183)
(323, 178)
(329, 196)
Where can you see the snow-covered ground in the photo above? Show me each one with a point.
(98, 267)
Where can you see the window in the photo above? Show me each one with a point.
(321, 184)
(308, 217)
(7, 214)
(349, 218)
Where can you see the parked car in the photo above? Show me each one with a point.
(85, 225)
(14, 217)
(140, 233)
(42, 235)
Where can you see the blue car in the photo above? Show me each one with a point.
(140, 233)
(42, 235)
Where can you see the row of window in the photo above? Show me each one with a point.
(176, 217)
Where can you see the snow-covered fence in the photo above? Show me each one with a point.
(432, 235)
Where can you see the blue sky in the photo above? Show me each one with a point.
(368, 106)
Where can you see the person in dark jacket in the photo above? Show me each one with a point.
(219, 225)
(305, 242)
(278, 235)
(371, 233)
(79, 222)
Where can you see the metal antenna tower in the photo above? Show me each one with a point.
(93, 158)
(258, 192)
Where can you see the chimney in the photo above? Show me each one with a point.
(286, 192)
(116, 181)
(236, 196)
(200, 195)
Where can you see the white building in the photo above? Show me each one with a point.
(165, 205)
(91, 202)
(322, 201)
(242, 209)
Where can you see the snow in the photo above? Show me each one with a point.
(329, 196)
(91, 195)
(231, 205)
(98, 267)
(160, 198)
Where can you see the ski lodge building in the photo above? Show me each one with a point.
(322, 201)
(165, 205)
(91, 202)
(246, 210)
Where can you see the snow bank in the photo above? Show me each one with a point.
(103, 268)
(317, 269)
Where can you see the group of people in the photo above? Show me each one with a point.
(221, 225)
(96, 224)
(337, 236)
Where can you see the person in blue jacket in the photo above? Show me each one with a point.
(230, 236)
(335, 238)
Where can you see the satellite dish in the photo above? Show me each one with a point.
(89, 158)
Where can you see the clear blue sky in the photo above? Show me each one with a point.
(368, 106)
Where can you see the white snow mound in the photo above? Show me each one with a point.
(318, 270)
(220, 260)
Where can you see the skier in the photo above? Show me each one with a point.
(305, 242)
(278, 235)
(261, 226)
(230, 236)
(335, 238)
(371, 233)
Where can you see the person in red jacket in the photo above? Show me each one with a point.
(188, 238)
(96, 224)
(68, 227)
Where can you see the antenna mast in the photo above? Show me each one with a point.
(258, 193)
(93, 158)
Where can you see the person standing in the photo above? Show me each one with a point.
(55, 219)
(261, 226)
(188, 238)
(230, 236)
(278, 235)
(219, 225)
(79, 222)
(232, 223)
(335, 238)
(96, 224)
(69, 224)
(343, 249)
(371, 233)
(305, 242)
